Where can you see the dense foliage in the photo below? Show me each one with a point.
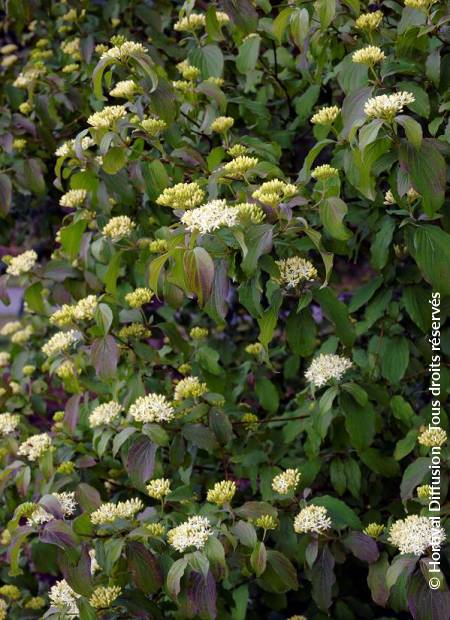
(229, 225)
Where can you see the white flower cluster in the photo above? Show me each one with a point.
(107, 117)
(64, 599)
(39, 516)
(325, 367)
(294, 270)
(326, 115)
(8, 423)
(22, 263)
(67, 148)
(35, 446)
(151, 408)
(125, 89)
(274, 191)
(158, 488)
(61, 341)
(10, 328)
(415, 534)
(5, 358)
(103, 596)
(73, 198)
(369, 55)
(104, 414)
(109, 512)
(210, 216)
(182, 196)
(190, 387)
(312, 519)
(286, 482)
(124, 50)
(386, 107)
(192, 533)
(433, 436)
(67, 502)
(118, 227)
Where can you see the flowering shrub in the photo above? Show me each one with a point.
(228, 221)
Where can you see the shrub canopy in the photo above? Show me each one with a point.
(228, 221)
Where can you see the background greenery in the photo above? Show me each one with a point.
(269, 66)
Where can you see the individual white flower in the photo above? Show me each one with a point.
(35, 446)
(109, 512)
(325, 367)
(22, 263)
(192, 533)
(415, 534)
(104, 414)
(210, 216)
(312, 519)
(386, 107)
(286, 482)
(8, 423)
(294, 270)
(152, 408)
(60, 342)
(64, 599)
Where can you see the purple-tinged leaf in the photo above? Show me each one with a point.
(144, 568)
(425, 603)
(413, 476)
(78, 575)
(71, 413)
(175, 575)
(88, 497)
(401, 564)
(199, 271)
(362, 546)
(141, 460)
(322, 579)
(105, 355)
(203, 595)
(52, 505)
(376, 580)
(59, 533)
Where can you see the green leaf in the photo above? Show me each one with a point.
(34, 299)
(112, 273)
(431, 251)
(104, 318)
(332, 212)
(376, 580)
(258, 558)
(199, 268)
(280, 24)
(341, 515)
(417, 305)
(155, 178)
(175, 575)
(336, 312)
(413, 476)
(428, 172)
(268, 321)
(299, 26)
(380, 463)
(114, 160)
(5, 194)
(97, 75)
(144, 568)
(267, 395)
(248, 54)
(394, 357)
(381, 242)
(201, 436)
(209, 59)
(326, 10)
(412, 129)
(71, 237)
(322, 579)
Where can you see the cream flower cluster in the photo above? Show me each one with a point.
(312, 519)
(124, 50)
(22, 335)
(60, 342)
(139, 297)
(23, 263)
(187, 70)
(386, 107)
(326, 115)
(222, 124)
(190, 387)
(191, 22)
(10, 328)
(5, 358)
(192, 533)
(26, 78)
(369, 21)
(109, 512)
(67, 502)
(433, 436)
(210, 216)
(275, 191)
(8, 423)
(182, 196)
(420, 5)
(84, 309)
(155, 529)
(3, 609)
(104, 414)
(118, 227)
(238, 167)
(153, 126)
(107, 117)
(125, 89)
(415, 534)
(35, 446)
(294, 270)
(39, 516)
(325, 367)
(64, 599)
(103, 596)
(134, 330)
(324, 172)
(67, 148)
(73, 198)
(250, 213)
(286, 482)
(71, 48)
(158, 488)
(370, 55)
(221, 493)
(151, 408)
